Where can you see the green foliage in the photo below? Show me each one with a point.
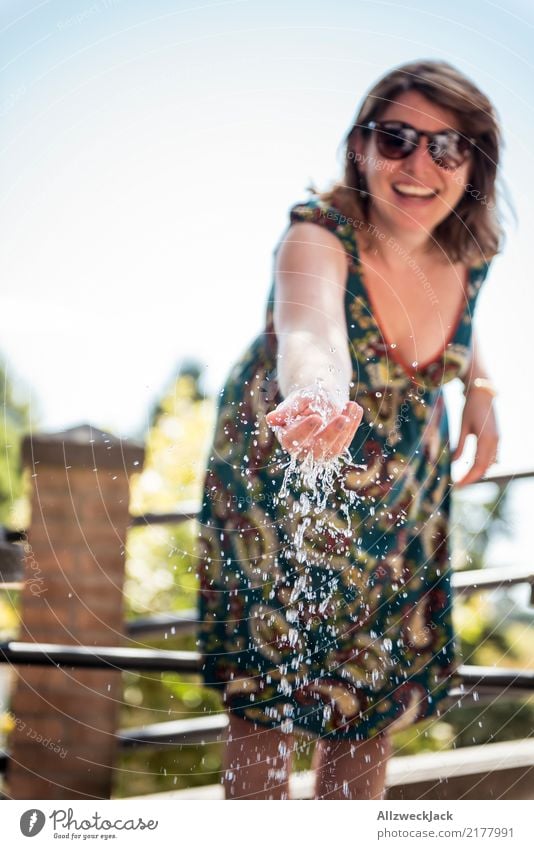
(15, 423)
(164, 697)
(14, 504)
(9, 616)
(484, 638)
(176, 446)
(425, 736)
(474, 521)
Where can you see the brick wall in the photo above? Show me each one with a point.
(63, 744)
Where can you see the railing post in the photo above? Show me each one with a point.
(63, 742)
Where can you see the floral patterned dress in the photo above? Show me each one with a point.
(373, 647)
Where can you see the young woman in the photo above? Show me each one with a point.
(370, 313)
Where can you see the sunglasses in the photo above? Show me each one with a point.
(397, 140)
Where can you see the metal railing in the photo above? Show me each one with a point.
(486, 682)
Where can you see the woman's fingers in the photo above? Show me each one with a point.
(303, 402)
(277, 417)
(288, 410)
(299, 435)
(308, 435)
(326, 439)
(355, 412)
(337, 446)
(353, 415)
(300, 430)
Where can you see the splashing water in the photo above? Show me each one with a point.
(317, 480)
(319, 476)
(320, 512)
(313, 483)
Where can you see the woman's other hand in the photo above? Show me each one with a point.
(311, 420)
(478, 418)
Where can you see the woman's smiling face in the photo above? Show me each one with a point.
(402, 213)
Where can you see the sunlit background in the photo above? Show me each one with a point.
(151, 150)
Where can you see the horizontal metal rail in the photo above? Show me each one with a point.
(191, 509)
(497, 678)
(11, 560)
(15, 536)
(479, 684)
(100, 657)
(184, 622)
(156, 660)
(473, 580)
(201, 729)
(502, 478)
(463, 583)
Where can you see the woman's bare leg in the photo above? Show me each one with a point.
(351, 769)
(256, 761)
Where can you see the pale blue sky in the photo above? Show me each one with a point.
(150, 154)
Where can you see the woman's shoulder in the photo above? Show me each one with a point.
(317, 210)
(323, 211)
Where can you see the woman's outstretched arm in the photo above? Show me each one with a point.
(314, 367)
(309, 311)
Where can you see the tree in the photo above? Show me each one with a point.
(161, 578)
(16, 421)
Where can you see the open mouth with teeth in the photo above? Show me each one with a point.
(407, 190)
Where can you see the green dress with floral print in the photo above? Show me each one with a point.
(373, 648)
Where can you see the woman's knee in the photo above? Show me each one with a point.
(247, 735)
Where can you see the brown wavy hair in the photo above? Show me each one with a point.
(472, 232)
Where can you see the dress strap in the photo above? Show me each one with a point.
(477, 277)
(318, 211)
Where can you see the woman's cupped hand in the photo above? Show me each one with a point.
(312, 420)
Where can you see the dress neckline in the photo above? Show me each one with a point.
(408, 369)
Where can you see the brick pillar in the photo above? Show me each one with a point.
(63, 743)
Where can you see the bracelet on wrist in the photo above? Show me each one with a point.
(481, 383)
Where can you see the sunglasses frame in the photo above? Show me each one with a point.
(382, 125)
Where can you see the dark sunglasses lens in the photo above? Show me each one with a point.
(395, 142)
(449, 151)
